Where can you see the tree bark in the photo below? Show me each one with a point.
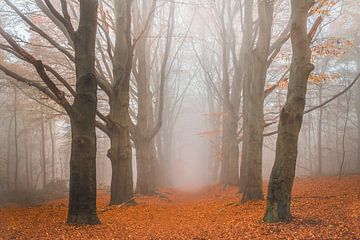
(8, 188)
(146, 181)
(27, 160)
(120, 152)
(16, 140)
(358, 126)
(291, 116)
(82, 192)
(43, 153)
(226, 103)
(319, 133)
(253, 181)
(248, 63)
(52, 150)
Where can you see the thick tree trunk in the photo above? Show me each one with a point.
(145, 167)
(253, 182)
(283, 171)
(120, 155)
(82, 197)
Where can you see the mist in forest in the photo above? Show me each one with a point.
(188, 96)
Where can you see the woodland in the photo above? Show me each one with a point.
(179, 119)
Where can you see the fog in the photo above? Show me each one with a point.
(197, 54)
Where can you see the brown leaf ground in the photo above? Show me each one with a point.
(323, 208)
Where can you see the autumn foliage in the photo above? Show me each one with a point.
(323, 208)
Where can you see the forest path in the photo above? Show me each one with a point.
(324, 208)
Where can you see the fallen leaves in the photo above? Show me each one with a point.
(323, 208)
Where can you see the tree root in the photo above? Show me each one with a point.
(128, 203)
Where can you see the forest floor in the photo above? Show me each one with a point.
(323, 208)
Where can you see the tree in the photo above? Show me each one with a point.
(118, 124)
(291, 116)
(255, 121)
(82, 192)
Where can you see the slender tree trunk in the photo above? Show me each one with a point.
(82, 192)
(233, 147)
(16, 140)
(343, 146)
(61, 166)
(8, 158)
(146, 129)
(291, 116)
(309, 139)
(43, 153)
(253, 182)
(120, 152)
(52, 150)
(319, 133)
(358, 127)
(27, 167)
(225, 146)
(144, 154)
(337, 142)
(248, 59)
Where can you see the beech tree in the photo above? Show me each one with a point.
(82, 192)
(255, 121)
(291, 116)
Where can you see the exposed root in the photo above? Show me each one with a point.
(128, 203)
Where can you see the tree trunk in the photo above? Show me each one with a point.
(253, 181)
(82, 192)
(319, 134)
(120, 152)
(248, 63)
(145, 127)
(8, 189)
(291, 116)
(16, 141)
(231, 148)
(52, 150)
(358, 127)
(27, 167)
(225, 146)
(145, 168)
(309, 142)
(43, 154)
